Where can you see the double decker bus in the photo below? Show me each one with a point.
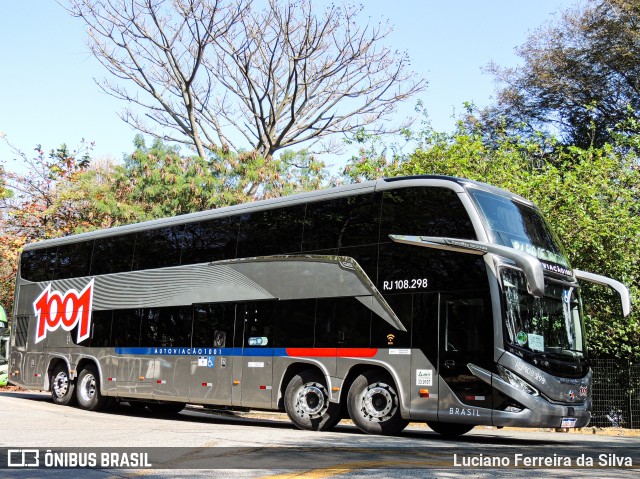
(427, 298)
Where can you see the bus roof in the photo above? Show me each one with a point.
(457, 184)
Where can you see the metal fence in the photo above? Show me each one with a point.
(616, 389)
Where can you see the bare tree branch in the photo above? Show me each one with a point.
(226, 73)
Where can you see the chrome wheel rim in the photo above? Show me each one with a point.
(311, 400)
(60, 384)
(88, 387)
(379, 402)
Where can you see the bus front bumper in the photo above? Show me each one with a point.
(537, 411)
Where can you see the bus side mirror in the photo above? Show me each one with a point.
(530, 265)
(617, 286)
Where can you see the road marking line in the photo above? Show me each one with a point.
(339, 469)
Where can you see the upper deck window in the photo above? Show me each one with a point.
(424, 211)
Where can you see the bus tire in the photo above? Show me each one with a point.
(374, 404)
(306, 401)
(88, 390)
(165, 408)
(449, 429)
(62, 387)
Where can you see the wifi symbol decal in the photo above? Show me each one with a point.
(390, 338)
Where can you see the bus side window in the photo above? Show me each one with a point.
(425, 325)
(157, 248)
(39, 264)
(432, 211)
(74, 260)
(342, 323)
(166, 327)
(259, 319)
(207, 241)
(350, 221)
(113, 254)
(295, 322)
(126, 327)
(100, 331)
(213, 325)
(269, 232)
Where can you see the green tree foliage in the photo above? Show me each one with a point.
(157, 182)
(26, 204)
(581, 74)
(590, 196)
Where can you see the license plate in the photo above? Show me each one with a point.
(568, 422)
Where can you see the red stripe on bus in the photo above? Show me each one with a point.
(333, 352)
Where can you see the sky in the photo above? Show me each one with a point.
(48, 95)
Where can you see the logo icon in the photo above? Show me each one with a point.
(390, 338)
(23, 458)
(67, 310)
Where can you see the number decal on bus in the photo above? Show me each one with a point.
(67, 310)
(400, 284)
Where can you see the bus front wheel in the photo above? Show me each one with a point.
(448, 429)
(374, 404)
(62, 387)
(306, 401)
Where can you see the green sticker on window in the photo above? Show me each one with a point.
(522, 338)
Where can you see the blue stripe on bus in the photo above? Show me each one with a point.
(178, 351)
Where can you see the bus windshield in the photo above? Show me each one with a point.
(549, 326)
(521, 227)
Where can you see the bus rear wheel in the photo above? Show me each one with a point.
(62, 387)
(374, 404)
(88, 390)
(306, 401)
(449, 429)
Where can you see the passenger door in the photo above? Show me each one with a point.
(211, 368)
(258, 320)
(466, 336)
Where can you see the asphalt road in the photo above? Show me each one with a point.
(200, 443)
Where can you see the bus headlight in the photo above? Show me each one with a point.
(516, 381)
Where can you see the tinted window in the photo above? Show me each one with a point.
(270, 232)
(208, 241)
(74, 260)
(425, 325)
(126, 327)
(113, 254)
(166, 326)
(366, 257)
(295, 321)
(38, 265)
(213, 325)
(258, 319)
(467, 327)
(100, 330)
(341, 222)
(383, 334)
(158, 248)
(425, 211)
(342, 323)
(519, 226)
(406, 268)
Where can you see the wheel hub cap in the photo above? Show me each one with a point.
(60, 385)
(379, 402)
(88, 387)
(311, 400)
